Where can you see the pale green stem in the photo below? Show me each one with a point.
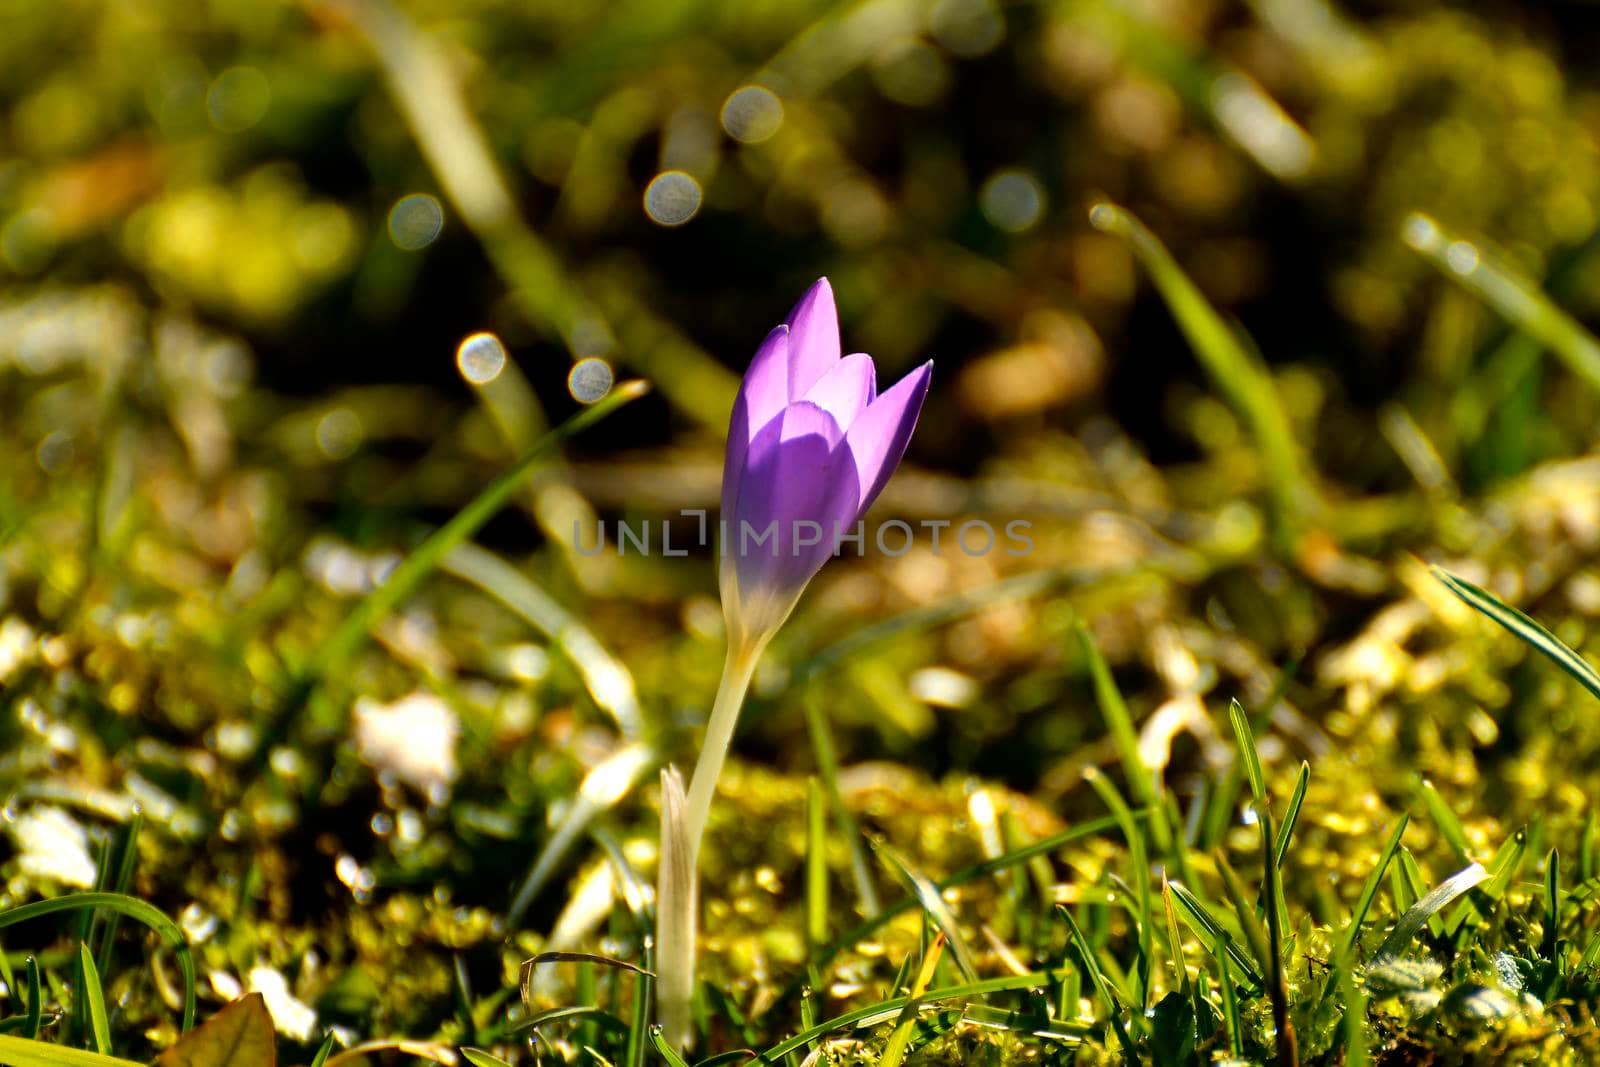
(736, 675)
(683, 821)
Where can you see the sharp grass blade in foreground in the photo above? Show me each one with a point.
(664, 1049)
(21, 1052)
(1288, 1045)
(94, 998)
(1420, 912)
(324, 1050)
(1240, 376)
(1524, 626)
(1291, 817)
(928, 895)
(35, 1004)
(1119, 724)
(123, 882)
(1552, 906)
(1211, 933)
(1519, 300)
(131, 907)
(1245, 739)
(1139, 876)
(1502, 868)
(1130, 1055)
(1369, 888)
(1180, 965)
(888, 1008)
(1230, 999)
(866, 927)
(894, 1051)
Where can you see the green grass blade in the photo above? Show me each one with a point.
(324, 1050)
(1248, 922)
(864, 929)
(644, 991)
(1210, 932)
(1092, 965)
(1280, 847)
(1139, 878)
(1245, 739)
(609, 682)
(1502, 868)
(480, 1058)
(927, 893)
(1369, 888)
(131, 907)
(21, 1052)
(123, 882)
(1521, 302)
(1353, 995)
(35, 1008)
(94, 998)
(1552, 906)
(895, 1049)
(603, 788)
(1180, 964)
(1420, 912)
(1446, 821)
(827, 756)
(1277, 920)
(816, 866)
(1230, 998)
(427, 557)
(1005, 984)
(668, 1055)
(1119, 724)
(1238, 374)
(1523, 626)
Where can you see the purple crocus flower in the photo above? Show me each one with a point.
(810, 446)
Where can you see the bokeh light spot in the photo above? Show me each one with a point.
(238, 99)
(911, 72)
(415, 221)
(480, 358)
(339, 433)
(672, 198)
(752, 114)
(1013, 200)
(590, 379)
(968, 27)
(1462, 257)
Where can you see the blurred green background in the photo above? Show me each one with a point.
(243, 246)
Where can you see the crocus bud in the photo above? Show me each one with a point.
(810, 446)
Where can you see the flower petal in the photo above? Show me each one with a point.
(878, 437)
(813, 338)
(762, 395)
(797, 473)
(846, 389)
